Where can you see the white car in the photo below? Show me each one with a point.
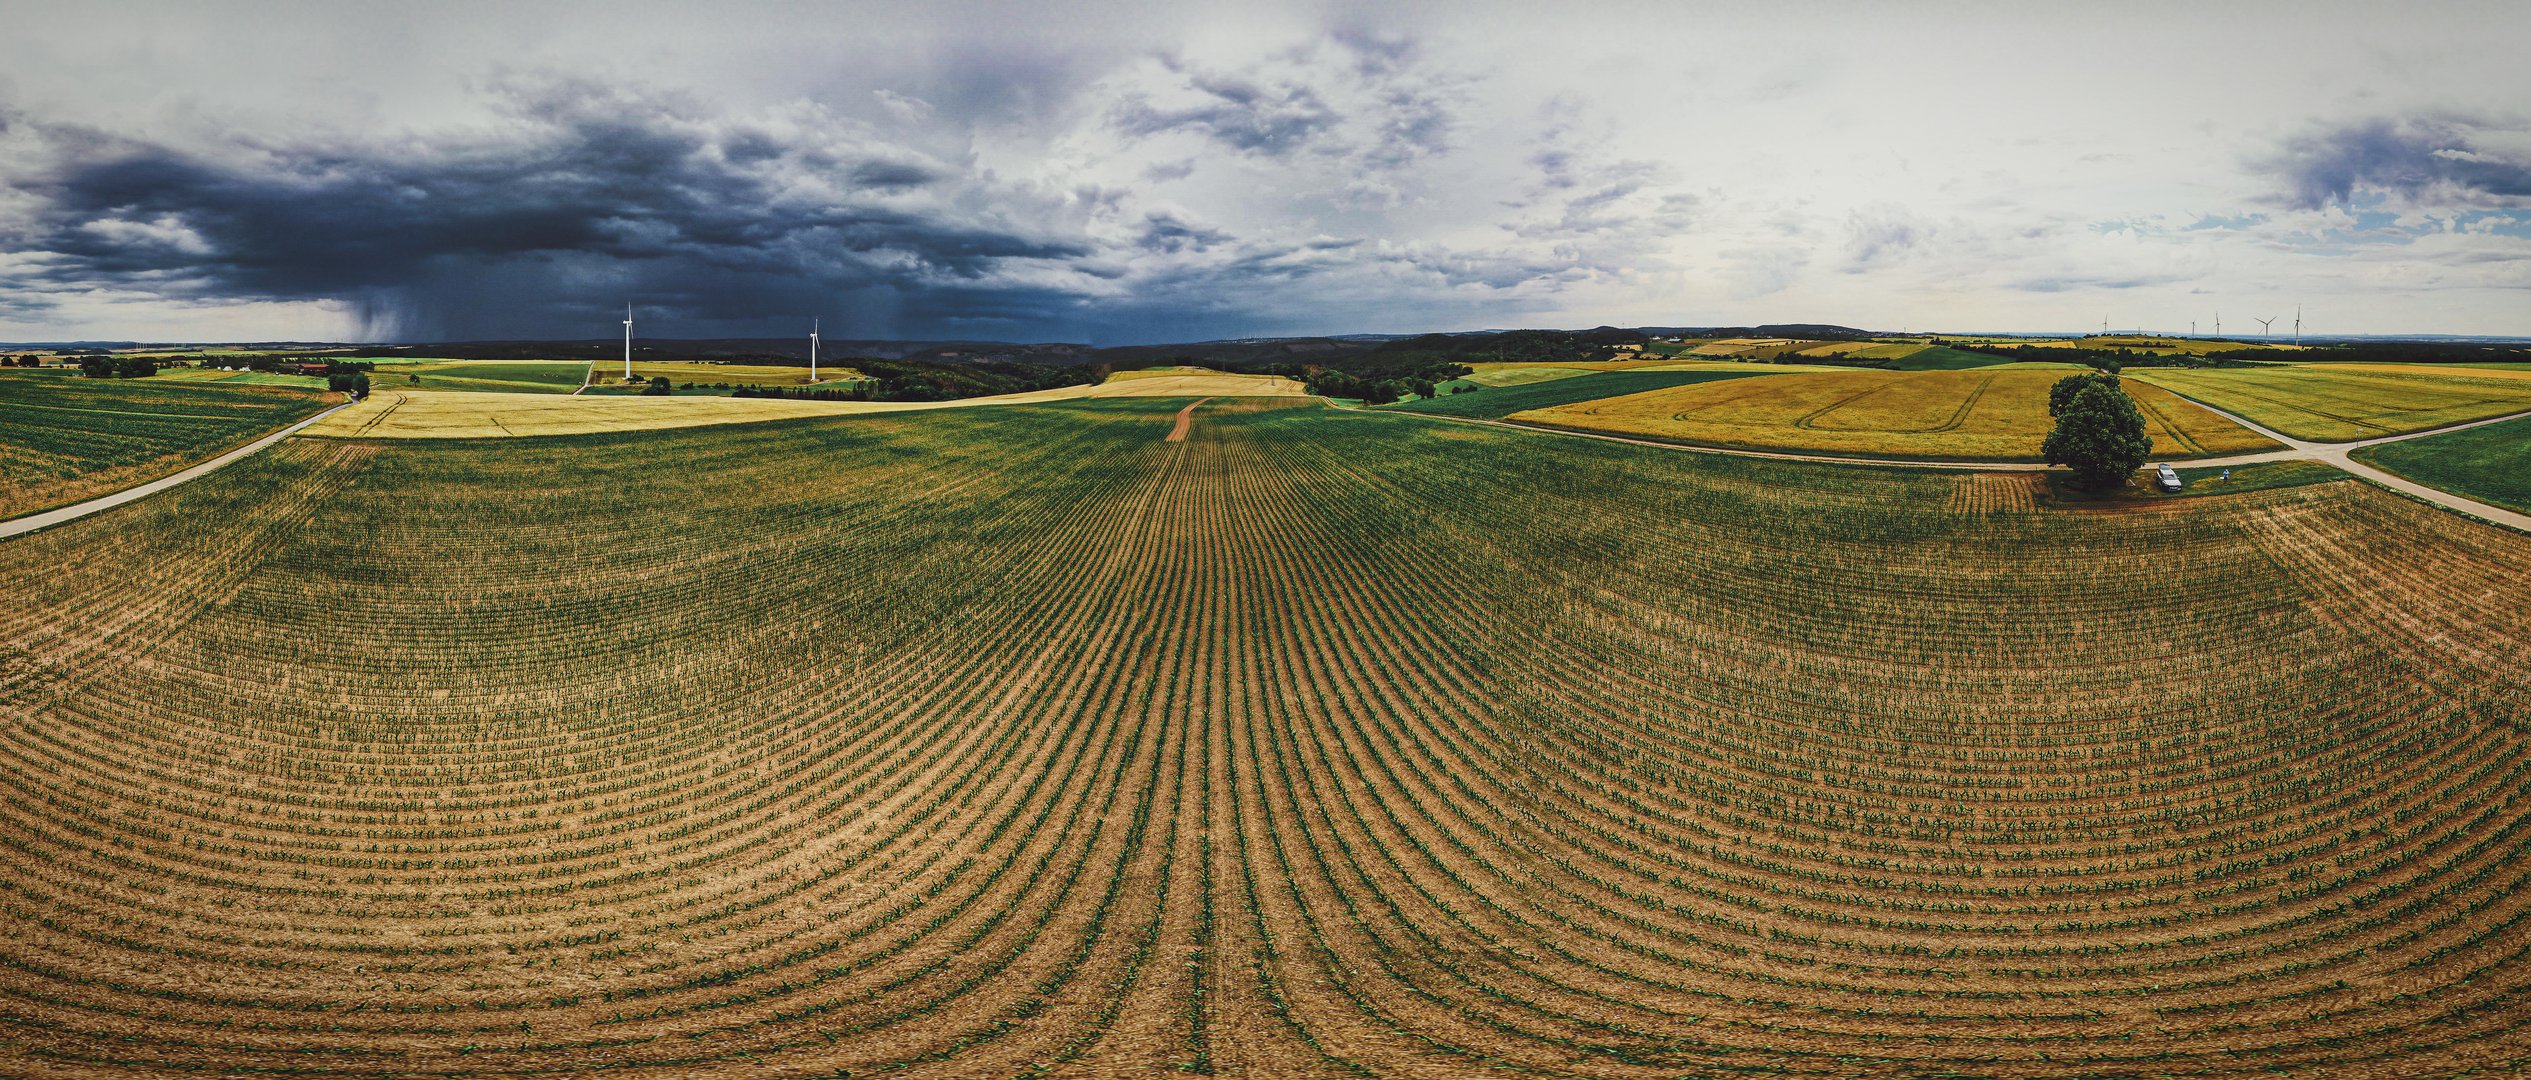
(2168, 478)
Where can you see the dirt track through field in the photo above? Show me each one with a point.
(1186, 420)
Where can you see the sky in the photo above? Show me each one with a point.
(1134, 173)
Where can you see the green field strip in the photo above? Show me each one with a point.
(2491, 464)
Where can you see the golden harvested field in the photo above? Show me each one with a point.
(1018, 742)
(491, 376)
(1207, 385)
(1524, 374)
(1737, 346)
(1752, 367)
(2497, 369)
(1499, 375)
(1995, 413)
(1866, 350)
(1752, 348)
(1173, 371)
(2351, 402)
(394, 414)
(1515, 374)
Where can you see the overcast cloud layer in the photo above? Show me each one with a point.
(1107, 174)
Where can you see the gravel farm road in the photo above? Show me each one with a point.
(30, 523)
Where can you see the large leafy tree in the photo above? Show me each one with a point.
(2062, 394)
(2099, 433)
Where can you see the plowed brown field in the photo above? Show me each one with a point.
(1025, 741)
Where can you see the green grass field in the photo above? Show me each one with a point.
(1025, 741)
(2339, 402)
(2203, 481)
(496, 376)
(64, 438)
(1937, 358)
(221, 377)
(1496, 403)
(2491, 464)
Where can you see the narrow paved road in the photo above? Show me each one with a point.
(30, 523)
(2334, 454)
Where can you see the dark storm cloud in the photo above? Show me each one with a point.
(1240, 113)
(590, 194)
(1166, 232)
(2421, 160)
(1018, 204)
(2074, 282)
(1878, 237)
(1365, 99)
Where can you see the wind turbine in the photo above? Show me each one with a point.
(2263, 325)
(628, 341)
(2298, 325)
(2219, 324)
(813, 351)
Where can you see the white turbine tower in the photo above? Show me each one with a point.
(813, 351)
(2298, 325)
(628, 341)
(2263, 325)
(2219, 324)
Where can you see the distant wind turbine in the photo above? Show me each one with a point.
(2263, 325)
(628, 341)
(813, 350)
(2298, 325)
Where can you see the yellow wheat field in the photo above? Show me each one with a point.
(2349, 402)
(1978, 414)
(461, 415)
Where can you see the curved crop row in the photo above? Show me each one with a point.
(1029, 741)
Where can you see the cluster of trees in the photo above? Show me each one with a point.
(2099, 433)
(355, 383)
(931, 380)
(859, 391)
(1395, 369)
(1330, 382)
(29, 360)
(2416, 352)
(263, 362)
(104, 366)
